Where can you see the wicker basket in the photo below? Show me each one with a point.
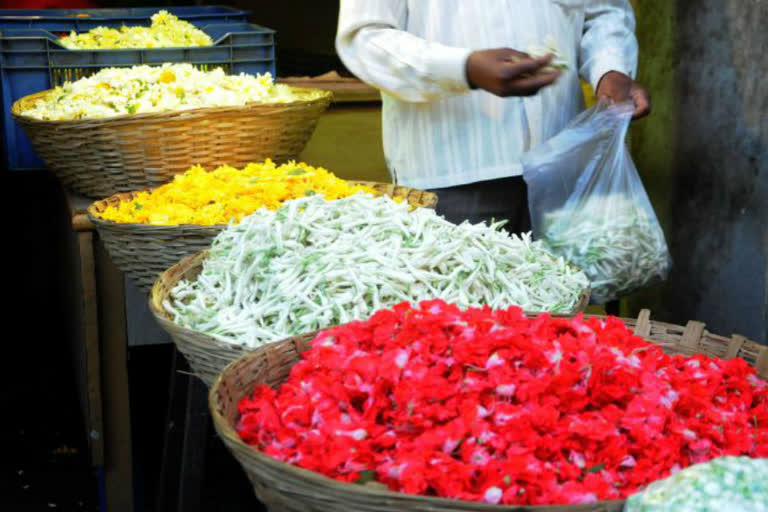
(206, 355)
(101, 157)
(282, 486)
(143, 252)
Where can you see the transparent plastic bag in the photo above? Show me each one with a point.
(588, 204)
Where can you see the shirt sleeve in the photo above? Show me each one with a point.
(608, 42)
(373, 44)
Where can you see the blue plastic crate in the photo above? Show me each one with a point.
(79, 20)
(32, 60)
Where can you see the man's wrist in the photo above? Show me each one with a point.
(468, 71)
(605, 62)
(448, 65)
(613, 74)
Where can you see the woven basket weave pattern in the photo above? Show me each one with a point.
(101, 157)
(285, 487)
(205, 354)
(143, 251)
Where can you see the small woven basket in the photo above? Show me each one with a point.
(285, 487)
(207, 356)
(101, 157)
(143, 251)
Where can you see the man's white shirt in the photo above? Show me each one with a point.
(439, 133)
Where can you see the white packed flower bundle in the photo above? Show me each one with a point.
(549, 47)
(616, 241)
(314, 263)
(733, 484)
(148, 89)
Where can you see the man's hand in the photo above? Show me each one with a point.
(618, 87)
(505, 72)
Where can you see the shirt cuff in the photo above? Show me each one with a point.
(448, 66)
(605, 62)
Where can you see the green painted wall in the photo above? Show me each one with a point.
(347, 141)
(653, 139)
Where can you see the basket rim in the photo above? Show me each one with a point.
(229, 435)
(156, 305)
(95, 218)
(98, 220)
(199, 257)
(323, 99)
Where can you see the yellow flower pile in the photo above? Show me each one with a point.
(166, 31)
(228, 194)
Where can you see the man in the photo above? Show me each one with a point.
(462, 101)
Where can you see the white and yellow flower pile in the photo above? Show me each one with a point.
(150, 89)
(166, 31)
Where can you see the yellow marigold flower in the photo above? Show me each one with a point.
(167, 76)
(227, 194)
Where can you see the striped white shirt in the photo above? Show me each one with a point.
(439, 133)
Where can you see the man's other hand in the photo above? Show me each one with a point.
(618, 87)
(506, 72)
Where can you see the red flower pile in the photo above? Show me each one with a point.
(497, 407)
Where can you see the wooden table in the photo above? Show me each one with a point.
(104, 343)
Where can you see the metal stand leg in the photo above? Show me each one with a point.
(185, 444)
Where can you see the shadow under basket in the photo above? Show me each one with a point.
(101, 157)
(284, 487)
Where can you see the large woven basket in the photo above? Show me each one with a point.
(143, 252)
(101, 157)
(207, 356)
(283, 487)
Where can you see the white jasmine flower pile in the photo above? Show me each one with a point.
(166, 31)
(614, 239)
(315, 263)
(732, 484)
(146, 89)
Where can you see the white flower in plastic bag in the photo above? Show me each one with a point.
(588, 204)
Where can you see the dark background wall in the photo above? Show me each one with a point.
(704, 157)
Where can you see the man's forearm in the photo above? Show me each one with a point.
(373, 45)
(608, 42)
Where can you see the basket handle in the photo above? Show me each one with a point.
(643, 325)
(737, 341)
(692, 334)
(762, 362)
